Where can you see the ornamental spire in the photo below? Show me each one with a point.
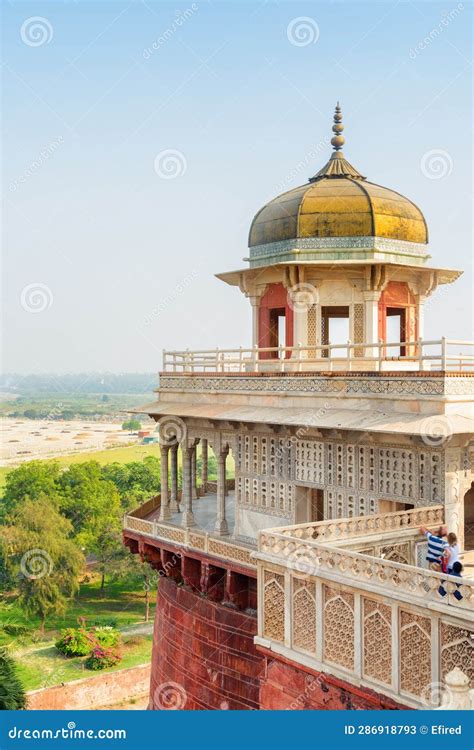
(337, 166)
(338, 140)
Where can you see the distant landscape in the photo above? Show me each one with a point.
(74, 396)
(73, 461)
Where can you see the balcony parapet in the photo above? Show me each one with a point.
(420, 355)
(193, 539)
(343, 529)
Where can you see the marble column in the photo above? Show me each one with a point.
(174, 507)
(165, 498)
(194, 473)
(255, 301)
(204, 466)
(221, 526)
(187, 500)
(371, 322)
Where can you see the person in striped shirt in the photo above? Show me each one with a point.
(436, 546)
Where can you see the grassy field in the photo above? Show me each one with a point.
(119, 604)
(40, 664)
(45, 667)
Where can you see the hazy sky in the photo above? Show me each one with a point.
(110, 246)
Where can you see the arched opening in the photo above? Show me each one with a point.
(397, 318)
(275, 321)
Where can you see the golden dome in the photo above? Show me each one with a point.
(338, 202)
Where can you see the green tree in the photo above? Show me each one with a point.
(86, 496)
(132, 425)
(30, 480)
(135, 481)
(44, 558)
(12, 694)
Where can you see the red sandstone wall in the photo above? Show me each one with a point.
(91, 692)
(285, 686)
(203, 654)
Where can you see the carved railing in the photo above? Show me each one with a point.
(193, 539)
(379, 523)
(377, 356)
(407, 582)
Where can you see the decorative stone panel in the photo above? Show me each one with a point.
(339, 627)
(274, 606)
(457, 650)
(415, 654)
(304, 615)
(377, 641)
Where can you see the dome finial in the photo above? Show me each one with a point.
(338, 140)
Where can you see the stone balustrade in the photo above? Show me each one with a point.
(361, 526)
(441, 354)
(193, 539)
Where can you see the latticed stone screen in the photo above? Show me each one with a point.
(274, 606)
(304, 615)
(415, 654)
(312, 329)
(457, 650)
(398, 553)
(339, 627)
(377, 641)
(358, 328)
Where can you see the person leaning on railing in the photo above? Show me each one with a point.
(436, 546)
(456, 570)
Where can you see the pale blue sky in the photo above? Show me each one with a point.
(123, 259)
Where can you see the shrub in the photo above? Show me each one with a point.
(15, 629)
(101, 658)
(106, 636)
(75, 642)
(12, 695)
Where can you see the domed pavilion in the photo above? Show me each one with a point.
(338, 248)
